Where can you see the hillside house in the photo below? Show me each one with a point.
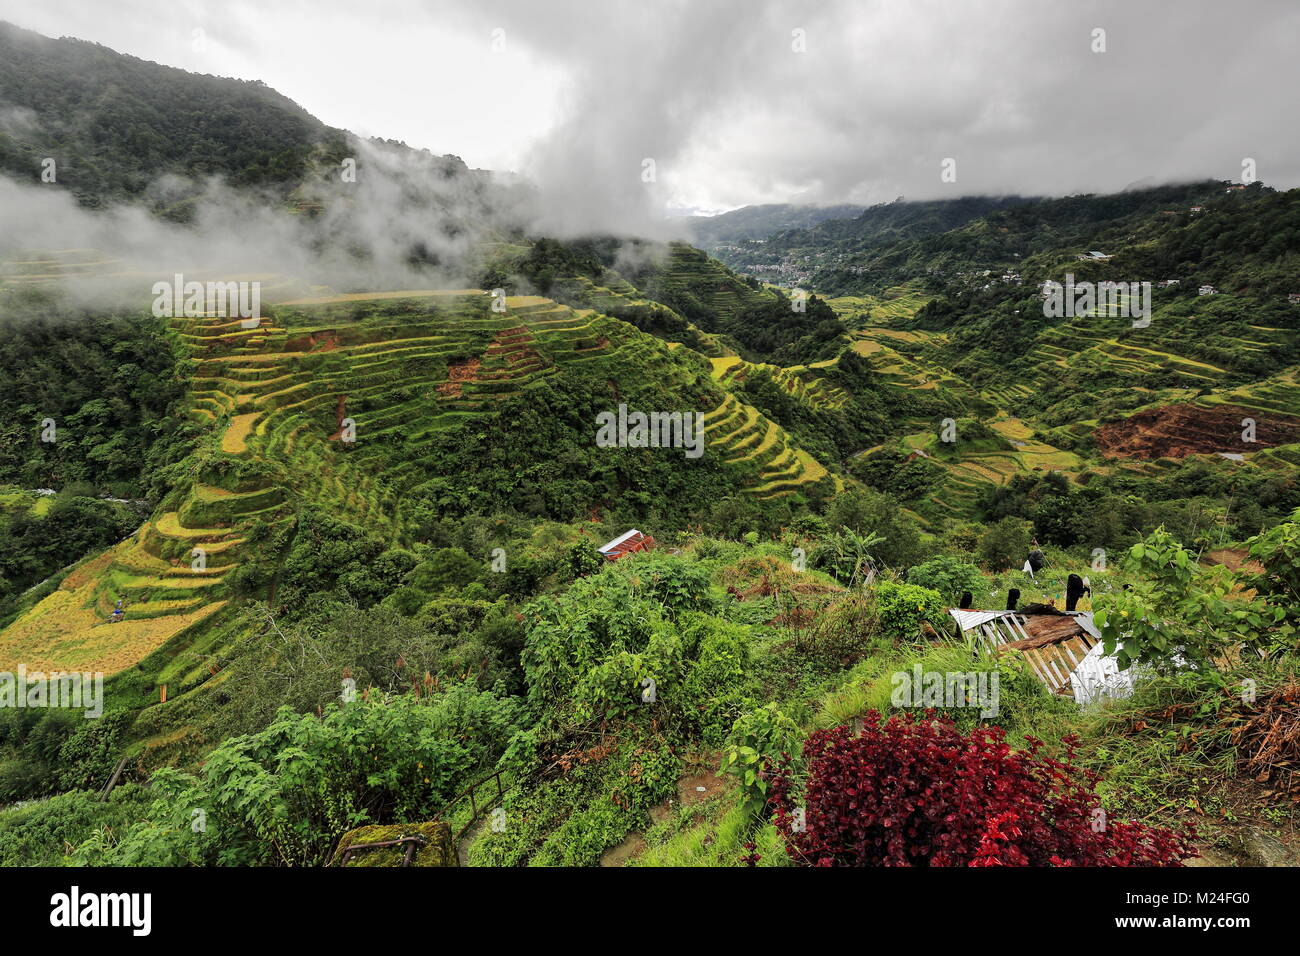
(1207, 290)
(1062, 648)
(628, 543)
(1293, 298)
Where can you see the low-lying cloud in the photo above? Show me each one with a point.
(622, 110)
(406, 220)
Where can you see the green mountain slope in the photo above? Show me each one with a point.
(114, 124)
(758, 222)
(382, 415)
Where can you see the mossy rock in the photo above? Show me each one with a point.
(437, 849)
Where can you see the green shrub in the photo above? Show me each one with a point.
(284, 795)
(757, 740)
(38, 833)
(950, 576)
(902, 608)
(1177, 613)
(1006, 544)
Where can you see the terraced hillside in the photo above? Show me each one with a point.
(690, 274)
(916, 360)
(1115, 352)
(746, 437)
(1157, 387)
(801, 381)
(334, 403)
(1162, 400)
(894, 304)
(1259, 422)
(619, 298)
(970, 466)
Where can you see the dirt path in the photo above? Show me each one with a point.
(462, 848)
(691, 789)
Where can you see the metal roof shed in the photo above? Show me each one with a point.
(627, 543)
(1057, 646)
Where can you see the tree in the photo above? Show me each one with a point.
(867, 512)
(582, 559)
(445, 568)
(1005, 544)
(848, 555)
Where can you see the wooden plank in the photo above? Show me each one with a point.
(112, 781)
(1036, 666)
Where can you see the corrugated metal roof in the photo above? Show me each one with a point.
(610, 546)
(1057, 647)
(1098, 676)
(967, 619)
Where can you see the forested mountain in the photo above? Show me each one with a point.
(115, 125)
(934, 241)
(759, 222)
(795, 255)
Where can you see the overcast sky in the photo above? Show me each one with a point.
(719, 95)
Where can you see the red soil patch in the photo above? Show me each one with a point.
(511, 346)
(340, 413)
(464, 371)
(1176, 431)
(456, 374)
(509, 337)
(1234, 559)
(325, 341)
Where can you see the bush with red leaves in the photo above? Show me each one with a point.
(922, 793)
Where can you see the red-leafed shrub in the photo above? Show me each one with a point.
(922, 793)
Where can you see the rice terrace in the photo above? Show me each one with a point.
(638, 490)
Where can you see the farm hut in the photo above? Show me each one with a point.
(627, 543)
(1063, 649)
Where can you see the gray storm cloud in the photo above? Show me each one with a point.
(746, 101)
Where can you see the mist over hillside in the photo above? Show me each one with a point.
(758, 222)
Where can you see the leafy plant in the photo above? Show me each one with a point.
(757, 740)
(1177, 612)
(848, 555)
(949, 576)
(902, 609)
(922, 793)
(1278, 551)
(284, 795)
